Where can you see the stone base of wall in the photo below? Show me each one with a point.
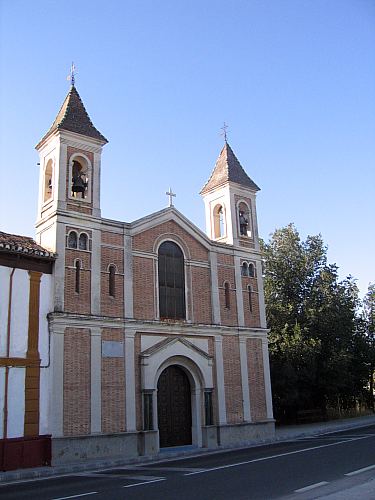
(131, 445)
(95, 447)
(246, 433)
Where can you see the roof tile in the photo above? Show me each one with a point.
(74, 117)
(228, 169)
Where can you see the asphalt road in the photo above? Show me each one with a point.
(303, 468)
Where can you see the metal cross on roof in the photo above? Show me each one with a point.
(171, 195)
(224, 128)
(72, 74)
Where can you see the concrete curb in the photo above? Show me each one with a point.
(282, 434)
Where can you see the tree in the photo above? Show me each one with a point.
(368, 317)
(314, 340)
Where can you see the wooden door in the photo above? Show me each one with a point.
(174, 407)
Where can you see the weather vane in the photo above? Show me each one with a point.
(224, 128)
(72, 74)
(171, 195)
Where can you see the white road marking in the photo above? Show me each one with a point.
(311, 487)
(145, 482)
(126, 474)
(76, 496)
(272, 457)
(358, 471)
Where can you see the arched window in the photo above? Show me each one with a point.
(83, 240)
(112, 280)
(48, 173)
(219, 226)
(250, 292)
(227, 295)
(251, 270)
(171, 281)
(244, 269)
(72, 239)
(78, 275)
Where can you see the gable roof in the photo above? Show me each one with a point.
(14, 243)
(228, 169)
(74, 117)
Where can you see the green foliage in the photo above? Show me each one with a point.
(317, 352)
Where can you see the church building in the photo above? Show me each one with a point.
(158, 331)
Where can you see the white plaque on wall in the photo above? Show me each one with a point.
(112, 349)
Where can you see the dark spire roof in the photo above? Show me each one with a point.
(73, 117)
(228, 168)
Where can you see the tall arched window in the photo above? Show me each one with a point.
(251, 270)
(250, 292)
(244, 269)
(72, 239)
(227, 295)
(111, 280)
(83, 241)
(171, 281)
(78, 275)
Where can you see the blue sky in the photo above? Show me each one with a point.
(294, 80)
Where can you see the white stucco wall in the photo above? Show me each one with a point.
(18, 347)
(2, 387)
(16, 402)
(20, 313)
(46, 292)
(4, 291)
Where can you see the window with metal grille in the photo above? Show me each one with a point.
(171, 281)
(208, 410)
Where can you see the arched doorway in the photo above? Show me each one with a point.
(174, 407)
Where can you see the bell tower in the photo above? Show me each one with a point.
(229, 198)
(70, 158)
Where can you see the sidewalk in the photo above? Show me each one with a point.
(282, 434)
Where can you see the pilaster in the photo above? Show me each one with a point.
(245, 380)
(262, 305)
(96, 380)
(57, 379)
(222, 411)
(95, 272)
(239, 293)
(59, 268)
(130, 382)
(215, 299)
(267, 378)
(128, 277)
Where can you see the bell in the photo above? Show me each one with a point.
(79, 185)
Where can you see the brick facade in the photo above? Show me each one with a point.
(77, 378)
(113, 386)
(232, 379)
(115, 290)
(256, 379)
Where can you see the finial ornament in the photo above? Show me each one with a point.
(72, 74)
(171, 195)
(224, 129)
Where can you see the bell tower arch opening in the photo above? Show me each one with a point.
(80, 178)
(219, 221)
(48, 181)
